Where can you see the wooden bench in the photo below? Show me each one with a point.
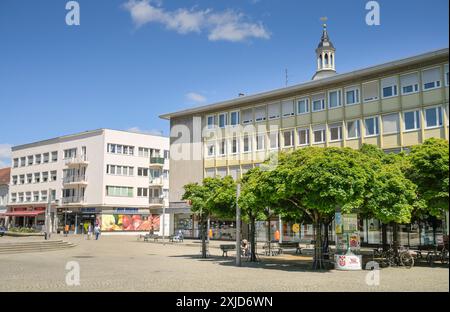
(226, 248)
(287, 245)
(272, 249)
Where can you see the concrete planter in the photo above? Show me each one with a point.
(19, 234)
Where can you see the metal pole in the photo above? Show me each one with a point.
(281, 229)
(47, 215)
(163, 223)
(238, 227)
(208, 227)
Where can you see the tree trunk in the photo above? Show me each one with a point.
(384, 236)
(318, 262)
(326, 240)
(252, 239)
(268, 236)
(395, 242)
(203, 231)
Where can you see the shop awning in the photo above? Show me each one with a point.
(22, 213)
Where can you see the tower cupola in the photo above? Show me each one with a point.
(325, 54)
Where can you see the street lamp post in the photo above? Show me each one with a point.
(238, 227)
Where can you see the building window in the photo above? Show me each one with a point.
(274, 111)
(13, 197)
(54, 156)
(142, 172)
(16, 162)
(120, 149)
(210, 149)
(260, 113)
(14, 180)
(45, 176)
(353, 129)
(30, 160)
(142, 192)
(28, 196)
(29, 178)
(411, 120)
(274, 140)
(319, 134)
(446, 74)
(389, 87)
(22, 161)
(37, 159)
(372, 126)
(143, 152)
(351, 96)
(318, 102)
(37, 177)
(433, 117)
(391, 123)
(234, 118)
(431, 78)
(234, 146)
(44, 196)
(46, 157)
(334, 99)
(70, 153)
(222, 147)
(370, 91)
(211, 122)
(260, 142)
(409, 83)
(20, 197)
(287, 108)
(119, 191)
(22, 179)
(222, 120)
(53, 175)
(288, 137)
(303, 106)
(35, 196)
(247, 116)
(303, 136)
(335, 132)
(247, 144)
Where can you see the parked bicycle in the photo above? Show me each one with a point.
(391, 258)
(438, 254)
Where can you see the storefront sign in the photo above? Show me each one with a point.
(350, 222)
(124, 222)
(348, 262)
(88, 210)
(295, 227)
(126, 210)
(338, 222)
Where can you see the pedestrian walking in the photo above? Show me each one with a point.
(97, 231)
(66, 230)
(90, 231)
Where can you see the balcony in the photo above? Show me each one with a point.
(156, 181)
(75, 180)
(156, 201)
(156, 161)
(73, 200)
(76, 160)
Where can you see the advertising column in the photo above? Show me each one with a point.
(348, 243)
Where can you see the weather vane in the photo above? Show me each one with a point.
(324, 19)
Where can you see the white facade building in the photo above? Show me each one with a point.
(118, 179)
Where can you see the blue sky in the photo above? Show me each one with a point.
(130, 61)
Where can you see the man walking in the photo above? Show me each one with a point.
(97, 231)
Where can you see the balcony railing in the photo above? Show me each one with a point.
(156, 200)
(156, 181)
(80, 159)
(75, 179)
(157, 161)
(73, 199)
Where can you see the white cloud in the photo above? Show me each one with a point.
(143, 131)
(227, 25)
(195, 97)
(5, 155)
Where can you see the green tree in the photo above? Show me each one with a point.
(214, 197)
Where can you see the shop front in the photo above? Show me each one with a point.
(129, 220)
(30, 217)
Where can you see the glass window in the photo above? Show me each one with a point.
(234, 146)
(411, 120)
(211, 121)
(334, 99)
(53, 176)
(37, 159)
(22, 179)
(274, 140)
(37, 177)
(351, 96)
(210, 149)
(318, 102)
(409, 83)
(247, 143)
(16, 162)
(222, 120)
(14, 180)
(46, 157)
(319, 134)
(247, 116)
(446, 74)
(44, 176)
(391, 123)
(29, 178)
(335, 132)
(431, 78)
(260, 142)
(260, 113)
(234, 118)
(287, 108)
(288, 137)
(303, 136)
(54, 156)
(23, 161)
(389, 87)
(370, 91)
(433, 117)
(274, 110)
(372, 127)
(303, 106)
(353, 129)
(30, 160)
(222, 147)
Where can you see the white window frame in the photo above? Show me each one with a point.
(335, 125)
(231, 146)
(377, 124)
(416, 87)
(219, 143)
(263, 141)
(307, 136)
(278, 114)
(291, 114)
(436, 82)
(245, 122)
(277, 140)
(292, 138)
(238, 121)
(208, 145)
(249, 138)
(324, 134)
(265, 113)
(322, 100)
(393, 86)
(438, 118)
(339, 94)
(373, 98)
(357, 91)
(417, 121)
(306, 99)
(213, 126)
(446, 75)
(358, 134)
(225, 121)
(398, 126)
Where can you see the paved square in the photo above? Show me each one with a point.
(122, 263)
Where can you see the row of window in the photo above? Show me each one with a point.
(35, 159)
(36, 196)
(130, 150)
(126, 191)
(391, 124)
(388, 87)
(37, 177)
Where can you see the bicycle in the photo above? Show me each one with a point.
(436, 254)
(391, 258)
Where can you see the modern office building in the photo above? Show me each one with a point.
(394, 105)
(4, 187)
(118, 179)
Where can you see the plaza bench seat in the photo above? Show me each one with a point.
(227, 247)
